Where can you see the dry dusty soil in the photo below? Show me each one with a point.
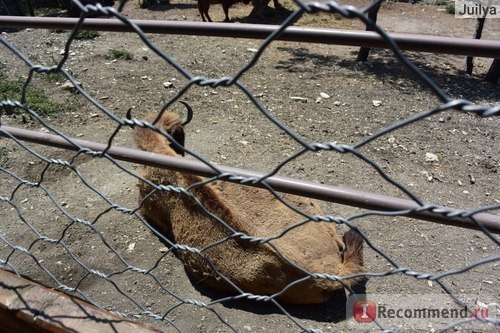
(335, 99)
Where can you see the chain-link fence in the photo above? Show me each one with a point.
(71, 220)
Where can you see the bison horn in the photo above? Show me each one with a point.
(189, 115)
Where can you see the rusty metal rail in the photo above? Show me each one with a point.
(408, 42)
(340, 195)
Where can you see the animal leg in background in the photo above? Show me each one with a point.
(203, 7)
(225, 6)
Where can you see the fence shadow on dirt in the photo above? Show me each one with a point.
(383, 64)
(452, 80)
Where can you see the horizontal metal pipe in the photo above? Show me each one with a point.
(281, 184)
(409, 42)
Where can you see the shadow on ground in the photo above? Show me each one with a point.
(165, 7)
(385, 66)
(269, 15)
(332, 311)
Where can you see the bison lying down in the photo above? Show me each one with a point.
(253, 267)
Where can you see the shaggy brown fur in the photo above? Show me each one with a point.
(255, 268)
(204, 6)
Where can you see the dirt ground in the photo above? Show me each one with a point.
(335, 99)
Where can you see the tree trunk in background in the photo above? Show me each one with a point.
(372, 15)
(479, 32)
(122, 4)
(494, 72)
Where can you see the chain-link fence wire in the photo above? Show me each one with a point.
(109, 271)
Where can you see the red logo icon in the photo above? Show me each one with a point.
(365, 311)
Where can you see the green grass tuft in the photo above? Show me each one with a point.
(36, 99)
(87, 34)
(119, 54)
(450, 8)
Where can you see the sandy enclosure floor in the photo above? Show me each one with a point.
(317, 91)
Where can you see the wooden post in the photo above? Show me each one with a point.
(494, 72)
(372, 15)
(26, 306)
(479, 32)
